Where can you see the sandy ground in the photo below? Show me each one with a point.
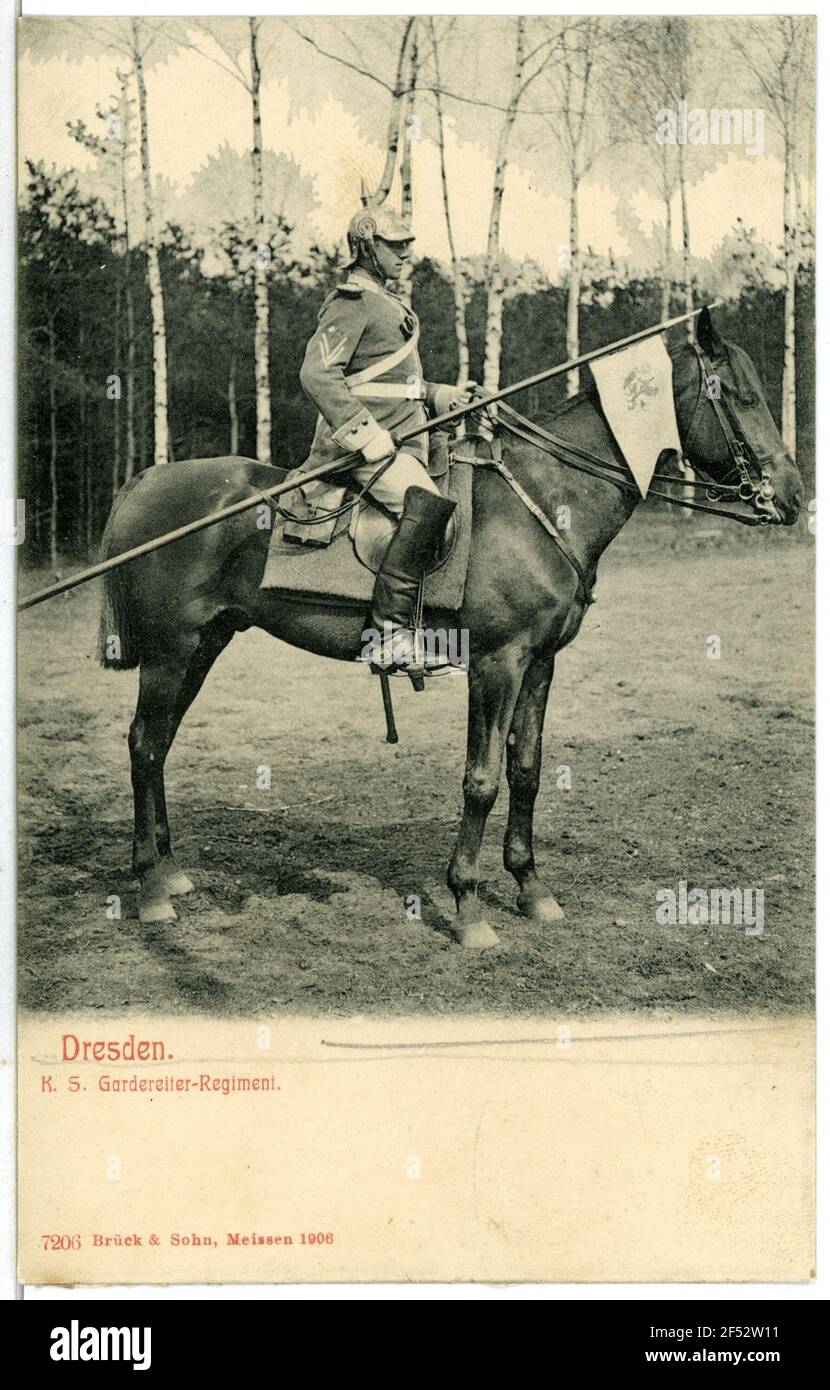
(681, 768)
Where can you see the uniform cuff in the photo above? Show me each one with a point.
(357, 432)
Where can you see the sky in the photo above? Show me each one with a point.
(194, 108)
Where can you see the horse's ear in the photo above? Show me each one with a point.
(708, 336)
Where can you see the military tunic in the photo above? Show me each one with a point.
(362, 371)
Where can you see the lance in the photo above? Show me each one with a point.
(450, 417)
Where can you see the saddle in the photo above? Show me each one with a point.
(339, 557)
(369, 524)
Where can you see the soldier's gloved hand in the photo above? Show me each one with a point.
(451, 397)
(380, 446)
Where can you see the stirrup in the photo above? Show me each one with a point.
(400, 653)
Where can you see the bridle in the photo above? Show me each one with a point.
(758, 490)
(749, 499)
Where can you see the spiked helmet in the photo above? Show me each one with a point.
(379, 222)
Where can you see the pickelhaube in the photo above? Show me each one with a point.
(380, 221)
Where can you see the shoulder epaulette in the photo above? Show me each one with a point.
(349, 290)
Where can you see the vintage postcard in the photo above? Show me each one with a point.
(415, 529)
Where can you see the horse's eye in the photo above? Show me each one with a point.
(748, 401)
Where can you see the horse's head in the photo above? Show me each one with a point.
(726, 428)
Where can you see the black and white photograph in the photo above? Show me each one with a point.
(415, 531)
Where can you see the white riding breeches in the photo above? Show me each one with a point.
(392, 484)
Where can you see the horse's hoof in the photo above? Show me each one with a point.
(158, 911)
(177, 883)
(545, 909)
(477, 936)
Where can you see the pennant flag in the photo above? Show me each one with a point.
(635, 388)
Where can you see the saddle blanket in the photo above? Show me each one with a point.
(335, 572)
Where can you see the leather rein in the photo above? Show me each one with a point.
(753, 494)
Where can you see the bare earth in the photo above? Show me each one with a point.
(681, 767)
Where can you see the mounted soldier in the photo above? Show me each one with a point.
(363, 372)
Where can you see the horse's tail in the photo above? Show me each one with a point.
(118, 638)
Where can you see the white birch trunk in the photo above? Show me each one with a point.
(788, 388)
(116, 404)
(53, 447)
(495, 282)
(129, 413)
(407, 191)
(393, 130)
(459, 298)
(665, 293)
(688, 472)
(161, 434)
(574, 287)
(261, 267)
(233, 412)
(130, 454)
(684, 222)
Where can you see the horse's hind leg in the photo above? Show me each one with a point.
(213, 640)
(494, 687)
(150, 737)
(524, 761)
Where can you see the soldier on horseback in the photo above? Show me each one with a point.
(363, 373)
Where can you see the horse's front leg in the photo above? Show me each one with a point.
(494, 685)
(524, 761)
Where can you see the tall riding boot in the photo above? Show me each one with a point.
(408, 555)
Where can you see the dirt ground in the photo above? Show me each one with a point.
(682, 767)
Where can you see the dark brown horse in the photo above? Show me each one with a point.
(173, 611)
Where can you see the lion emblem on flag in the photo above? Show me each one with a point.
(637, 387)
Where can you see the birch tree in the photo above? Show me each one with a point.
(367, 59)
(414, 46)
(112, 151)
(143, 42)
(458, 283)
(409, 132)
(679, 64)
(58, 216)
(124, 149)
(658, 64)
(495, 279)
(533, 50)
(262, 259)
(571, 84)
(240, 48)
(778, 53)
(581, 91)
(641, 75)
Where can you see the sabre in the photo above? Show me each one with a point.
(338, 465)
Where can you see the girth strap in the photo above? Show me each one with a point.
(584, 587)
